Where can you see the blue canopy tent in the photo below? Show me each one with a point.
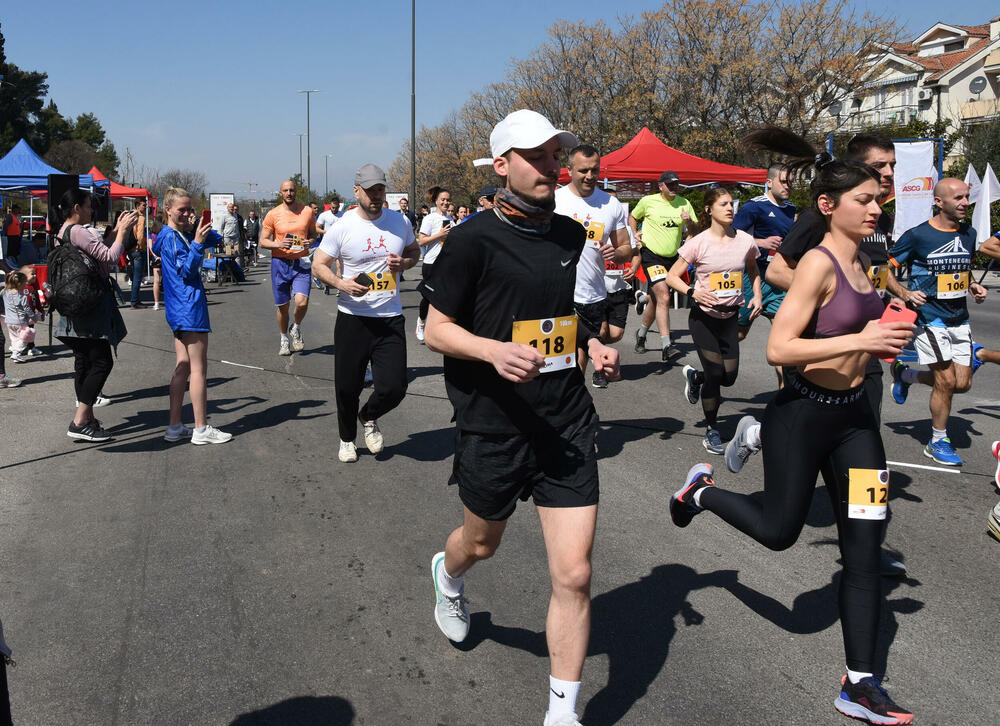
(22, 168)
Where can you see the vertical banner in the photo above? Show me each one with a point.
(219, 206)
(914, 181)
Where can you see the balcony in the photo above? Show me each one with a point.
(978, 111)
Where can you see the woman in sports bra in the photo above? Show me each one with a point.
(823, 335)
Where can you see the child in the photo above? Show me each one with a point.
(181, 247)
(5, 380)
(37, 310)
(18, 315)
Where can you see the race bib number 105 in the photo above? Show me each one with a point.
(554, 338)
(726, 284)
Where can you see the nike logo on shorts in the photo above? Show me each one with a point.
(565, 262)
(429, 287)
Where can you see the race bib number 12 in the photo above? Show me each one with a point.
(867, 493)
(554, 338)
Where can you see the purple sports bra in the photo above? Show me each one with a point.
(848, 311)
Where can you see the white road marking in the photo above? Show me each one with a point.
(924, 466)
(241, 365)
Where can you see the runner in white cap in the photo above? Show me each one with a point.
(501, 297)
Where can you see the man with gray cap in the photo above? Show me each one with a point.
(370, 247)
(666, 220)
(501, 296)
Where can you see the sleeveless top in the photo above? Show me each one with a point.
(848, 311)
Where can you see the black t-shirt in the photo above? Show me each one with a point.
(488, 275)
(810, 227)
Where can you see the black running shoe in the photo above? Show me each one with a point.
(640, 343)
(868, 701)
(671, 352)
(600, 380)
(692, 384)
(90, 431)
(682, 506)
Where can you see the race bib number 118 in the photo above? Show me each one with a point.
(554, 338)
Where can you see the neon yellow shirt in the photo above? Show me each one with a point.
(662, 225)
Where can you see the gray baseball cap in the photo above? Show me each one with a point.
(368, 176)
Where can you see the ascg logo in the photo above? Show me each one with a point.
(917, 185)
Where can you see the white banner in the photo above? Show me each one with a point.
(219, 206)
(915, 178)
(985, 194)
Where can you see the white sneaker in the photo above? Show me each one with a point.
(18, 358)
(210, 435)
(284, 348)
(99, 403)
(156, 306)
(178, 432)
(569, 719)
(34, 353)
(348, 452)
(9, 382)
(450, 613)
(296, 335)
(420, 330)
(993, 520)
(373, 437)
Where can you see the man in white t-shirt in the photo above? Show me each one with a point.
(329, 218)
(607, 240)
(434, 228)
(377, 244)
(619, 280)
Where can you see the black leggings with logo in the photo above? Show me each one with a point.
(808, 430)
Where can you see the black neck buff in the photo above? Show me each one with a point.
(516, 212)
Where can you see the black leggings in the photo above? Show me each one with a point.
(802, 436)
(92, 363)
(425, 271)
(719, 353)
(358, 340)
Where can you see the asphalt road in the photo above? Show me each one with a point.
(265, 583)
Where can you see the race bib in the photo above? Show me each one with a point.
(656, 273)
(867, 493)
(952, 285)
(298, 243)
(554, 338)
(595, 233)
(615, 269)
(383, 285)
(726, 284)
(879, 276)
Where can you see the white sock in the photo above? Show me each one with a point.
(938, 434)
(856, 676)
(448, 585)
(642, 331)
(753, 435)
(295, 327)
(201, 429)
(284, 337)
(562, 698)
(697, 497)
(665, 340)
(909, 376)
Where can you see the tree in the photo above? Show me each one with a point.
(71, 156)
(21, 100)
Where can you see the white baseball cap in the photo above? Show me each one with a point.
(526, 129)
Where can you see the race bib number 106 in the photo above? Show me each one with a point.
(554, 338)
(951, 286)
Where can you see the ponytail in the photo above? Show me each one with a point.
(67, 202)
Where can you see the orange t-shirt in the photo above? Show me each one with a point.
(281, 222)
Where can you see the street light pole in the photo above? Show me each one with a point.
(326, 164)
(308, 140)
(300, 153)
(413, 105)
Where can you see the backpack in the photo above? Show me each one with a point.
(77, 285)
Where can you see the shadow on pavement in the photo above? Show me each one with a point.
(301, 711)
(436, 445)
(636, 646)
(613, 435)
(959, 430)
(273, 416)
(422, 372)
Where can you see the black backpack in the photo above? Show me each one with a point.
(77, 285)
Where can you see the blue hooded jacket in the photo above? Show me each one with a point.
(183, 293)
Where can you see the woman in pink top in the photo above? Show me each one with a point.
(721, 256)
(91, 336)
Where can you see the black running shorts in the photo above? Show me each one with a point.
(651, 264)
(556, 468)
(616, 308)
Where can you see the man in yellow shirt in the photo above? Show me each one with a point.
(667, 219)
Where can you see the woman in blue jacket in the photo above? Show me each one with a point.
(181, 247)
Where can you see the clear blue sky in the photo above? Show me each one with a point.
(211, 85)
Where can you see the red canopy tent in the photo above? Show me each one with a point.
(645, 157)
(119, 191)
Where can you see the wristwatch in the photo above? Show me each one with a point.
(691, 291)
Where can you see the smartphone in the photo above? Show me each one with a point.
(894, 312)
(206, 217)
(364, 279)
(445, 224)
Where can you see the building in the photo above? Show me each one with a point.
(948, 72)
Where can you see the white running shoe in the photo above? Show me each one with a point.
(738, 450)
(284, 348)
(9, 382)
(450, 613)
(373, 437)
(177, 433)
(569, 719)
(21, 358)
(99, 403)
(210, 435)
(993, 520)
(420, 330)
(348, 452)
(34, 352)
(296, 335)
